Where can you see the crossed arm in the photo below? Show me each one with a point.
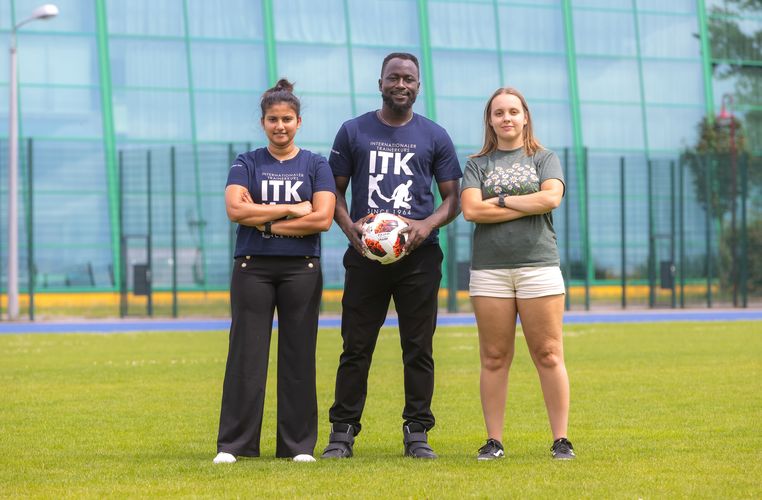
(475, 209)
(303, 218)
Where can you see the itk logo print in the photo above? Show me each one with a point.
(280, 190)
(379, 167)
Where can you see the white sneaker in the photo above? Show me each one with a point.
(224, 458)
(304, 458)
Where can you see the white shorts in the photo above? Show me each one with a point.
(520, 283)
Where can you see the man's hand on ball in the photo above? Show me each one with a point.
(416, 233)
(354, 235)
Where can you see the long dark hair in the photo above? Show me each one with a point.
(283, 91)
(531, 144)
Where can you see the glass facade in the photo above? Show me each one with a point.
(107, 81)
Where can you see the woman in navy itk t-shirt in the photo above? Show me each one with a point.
(282, 198)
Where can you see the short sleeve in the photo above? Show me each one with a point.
(549, 167)
(472, 176)
(323, 176)
(238, 173)
(340, 158)
(446, 164)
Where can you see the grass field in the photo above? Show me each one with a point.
(658, 410)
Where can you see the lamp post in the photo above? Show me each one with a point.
(46, 11)
(726, 117)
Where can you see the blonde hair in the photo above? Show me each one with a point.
(531, 144)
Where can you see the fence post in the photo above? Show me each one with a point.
(672, 230)
(122, 242)
(744, 278)
(1, 267)
(452, 267)
(231, 224)
(681, 171)
(708, 194)
(623, 210)
(173, 190)
(1, 271)
(149, 236)
(588, 252)
(651, 239)
(734, 271)
(567, 239)
(30, 227)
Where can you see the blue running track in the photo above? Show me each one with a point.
(574, 317)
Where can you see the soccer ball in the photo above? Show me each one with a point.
(381, 238)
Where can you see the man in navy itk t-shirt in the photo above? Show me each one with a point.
(391, 156)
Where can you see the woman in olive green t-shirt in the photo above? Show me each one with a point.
(509, 190)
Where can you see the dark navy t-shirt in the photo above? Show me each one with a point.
(272, 181)
(392, 168)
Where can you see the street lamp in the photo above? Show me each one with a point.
(46, 11)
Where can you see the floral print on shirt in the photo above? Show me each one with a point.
(514, 180)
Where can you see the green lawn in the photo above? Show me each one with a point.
(658, 410)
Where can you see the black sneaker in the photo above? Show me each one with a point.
(562, 449)
(340, 442)
(416, 441)
(492, 450)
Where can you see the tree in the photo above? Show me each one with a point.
(720, 160)
(711, 161)
(736, 53)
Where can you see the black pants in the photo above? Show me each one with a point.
(413, 282)
(258, 286)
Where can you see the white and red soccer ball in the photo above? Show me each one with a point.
(381, 238)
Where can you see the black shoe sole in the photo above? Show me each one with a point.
(422, 457)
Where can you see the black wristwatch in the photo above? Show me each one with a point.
(501, 200)
(268, 229)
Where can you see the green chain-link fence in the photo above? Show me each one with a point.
(681, 231)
